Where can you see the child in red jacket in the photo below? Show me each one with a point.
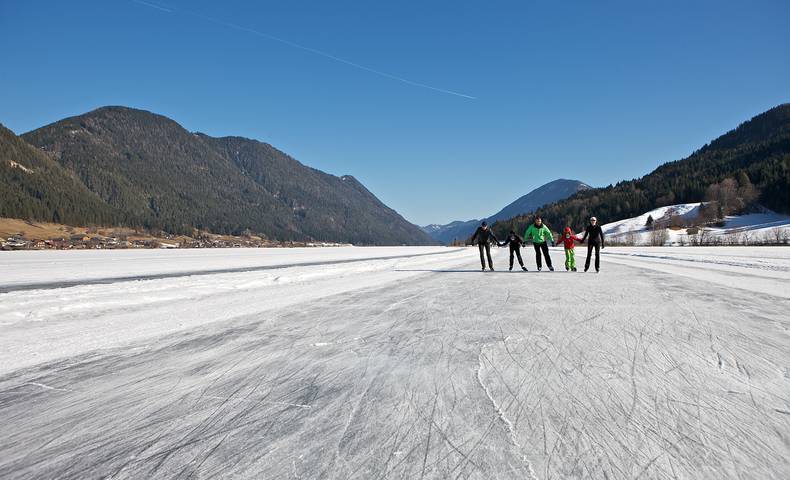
(569, 240)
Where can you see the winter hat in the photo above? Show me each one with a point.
(483, 224)
(593, 219)
(567, 229)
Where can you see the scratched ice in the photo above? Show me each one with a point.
(671, 363)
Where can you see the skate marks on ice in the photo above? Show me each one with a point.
(375, 389)
(757, 269)
(632, 373)
(673, 386)
(38, 326)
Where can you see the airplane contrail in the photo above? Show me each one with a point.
(152, 5)
(306, 48)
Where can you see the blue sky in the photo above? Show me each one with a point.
(599, 91)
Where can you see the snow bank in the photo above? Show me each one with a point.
(743, 229)
(52, 266)
(686, 211)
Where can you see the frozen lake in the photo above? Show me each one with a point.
(394, 363)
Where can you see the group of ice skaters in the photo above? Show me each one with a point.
(541, 236)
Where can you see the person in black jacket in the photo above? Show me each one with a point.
(594, 233)
(514, 242)
(484, 236)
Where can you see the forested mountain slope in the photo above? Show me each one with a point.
(34, 186)
(153, 173)
(760, 148)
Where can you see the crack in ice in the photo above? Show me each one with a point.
(511, 430)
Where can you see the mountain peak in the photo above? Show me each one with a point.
(117, 111)
(550, 192)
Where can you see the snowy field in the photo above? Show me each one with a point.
(754, 228)
(394, 363)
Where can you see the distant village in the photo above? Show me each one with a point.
(95, 240)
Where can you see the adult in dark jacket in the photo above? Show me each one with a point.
(514, 242)
(483, 237)
(593, 234)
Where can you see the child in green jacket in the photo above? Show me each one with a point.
(541, 236)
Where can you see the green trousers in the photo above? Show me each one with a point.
(570, 258)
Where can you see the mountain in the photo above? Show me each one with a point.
(457, 230)
(756, 152)
(146, 170)
(543, 195)
(551, 192)
(34, 186)
(338, 206)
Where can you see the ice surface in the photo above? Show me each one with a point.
(46, 267)
(671, 363)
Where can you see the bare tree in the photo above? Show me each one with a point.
(631, 238)
(702, 238)
(779, 235)
(658, 237)
(747, 192)
(725, 194)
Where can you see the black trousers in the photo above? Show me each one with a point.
(542, 247)
(515, 251)
(487, 248)
(590, 247)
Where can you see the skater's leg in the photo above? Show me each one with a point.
(512, 251)
(597, 257)
(488, 254)
(518, 255)
(537, 255)
(482, 259)
(545, 247)
(568, 253)
(571, 258)
(589, 254)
